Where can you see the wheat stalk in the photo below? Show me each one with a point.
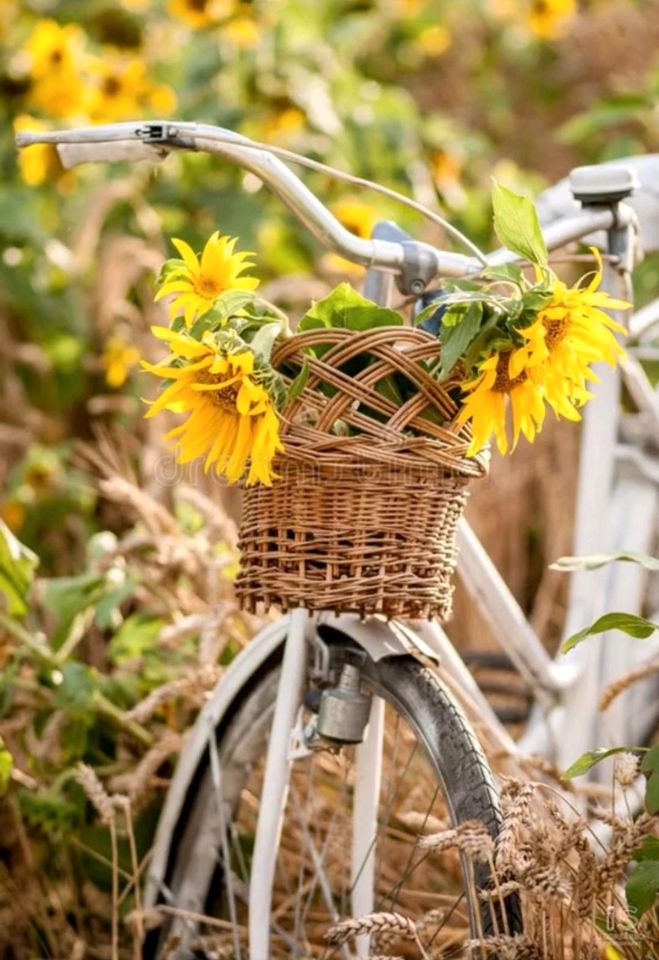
(417, 821)
(106, 806)
(471, 837)
(515, 802)
(195, 683)
(376, 923)
(138, 928)
(545, 881)
(616, 861)
(371, 923)
(507, 948)
(96, 793)
(501, 891)
(138, 781)
(625, 682)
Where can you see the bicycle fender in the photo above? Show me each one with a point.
(378, 637)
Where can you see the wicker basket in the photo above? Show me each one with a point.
(363, 519)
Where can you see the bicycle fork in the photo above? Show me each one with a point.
(275, 786)
(353, 713)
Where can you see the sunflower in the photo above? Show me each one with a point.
(198, 283)
(569, 334)
(198, 14)
(243, 32)
(548, 19)
(40, 163)
(54, 56)
(123, 89)
(118, 359)
(283, 124)
(489, 395)
(232, 419)
(433, 41)
(357, 216)
(53, 47)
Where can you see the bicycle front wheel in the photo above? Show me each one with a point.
(434, 776)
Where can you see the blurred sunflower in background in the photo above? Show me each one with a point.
(199, 14)
(118, 359)
(121, 88)
(41, 163)
(55, 56)
(548, 19)
(360, 217)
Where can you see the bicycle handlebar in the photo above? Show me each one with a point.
(153, 140)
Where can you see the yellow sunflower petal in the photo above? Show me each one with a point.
(187, 255)
(165, 399)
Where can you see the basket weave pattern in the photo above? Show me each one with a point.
(360, 521)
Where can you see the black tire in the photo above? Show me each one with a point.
(462, 775)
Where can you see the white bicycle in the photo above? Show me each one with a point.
(332, 743)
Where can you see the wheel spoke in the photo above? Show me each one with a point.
(329, 834)
(216, 778)
(393, 892)
(317, 860)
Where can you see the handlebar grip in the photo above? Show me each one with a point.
(74, 154)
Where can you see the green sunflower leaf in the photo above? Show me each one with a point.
(590, 759)
(642, 887)
(264, 339)
(628, 623)
(485, 343)
(652, 794)
(517, 224)
(17, 566)
(168, 268)
(510, 272)
(651, 760)
(346, 308)
(231, 301)
(461, 286)
(530, 305)
(649, 850)
(300, 382)
(456, 337)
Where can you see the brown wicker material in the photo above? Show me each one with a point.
(362, 522)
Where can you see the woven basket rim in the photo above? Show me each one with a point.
(401, 435)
